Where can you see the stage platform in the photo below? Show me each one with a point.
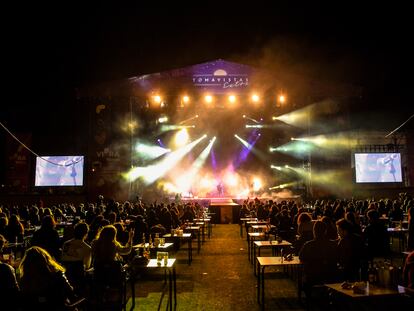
(226, 209)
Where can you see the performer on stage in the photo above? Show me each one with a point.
(220, 189)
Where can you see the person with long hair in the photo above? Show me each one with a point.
(106, 248)
(43, 281)
(9, 289)
(14, 229)
(47, 237)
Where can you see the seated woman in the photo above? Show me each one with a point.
(43, 282)
(14, 230)
(106, 248)
(9, 288)
(47, 237)
(305, 227)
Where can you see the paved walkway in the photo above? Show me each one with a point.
(220, 278)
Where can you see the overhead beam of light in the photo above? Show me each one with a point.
(336, 141)
(166, 128)
(245, 143)
(279, 168)
(185, 181)
(149, 152)
(258, 126)
(282, 186)
(189, 119)
(251, 119)
(301, 117)
(294, 148)
(250, 148)
(151, 173)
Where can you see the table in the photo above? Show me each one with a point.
(401, 236)
(172, 278)
(185, 236)
(243, 223)
(195, 229)
(252, 236)
(264, 262)
(209, 226)
(164, 247)
(375, 295)
(274, 245)
(202, 228)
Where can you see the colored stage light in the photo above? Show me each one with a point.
(255, 98)
(186, 99)
(157, 99)
(232, 99)
(282, 99)
(208, 99)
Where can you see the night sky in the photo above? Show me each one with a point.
(48, 51)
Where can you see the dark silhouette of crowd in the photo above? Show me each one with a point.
(335, 239)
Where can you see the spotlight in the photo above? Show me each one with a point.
(282, 99)
(157, 99)
(255, 98)
(162, 119)
(208, 99)
(232, 98)
(186, 99)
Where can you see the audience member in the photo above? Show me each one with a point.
(9, 289)
(105, 248)
(350, 251)
(43, 282)
(76, 249)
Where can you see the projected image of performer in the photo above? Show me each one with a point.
(387, 168)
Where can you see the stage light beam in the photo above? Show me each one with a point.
(181, 138)
(149, 152)
(151, 173)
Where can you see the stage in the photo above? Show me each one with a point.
(226, 209)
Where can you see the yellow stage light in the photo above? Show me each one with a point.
(282, 99)
(232, 98)
(157, 99)
(208, 99)
(255, 98)
(186, 99)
